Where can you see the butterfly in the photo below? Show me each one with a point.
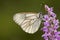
(29, 21)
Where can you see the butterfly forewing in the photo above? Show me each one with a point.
(29, 22)
(18, 18)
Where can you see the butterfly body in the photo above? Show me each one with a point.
(28, 21)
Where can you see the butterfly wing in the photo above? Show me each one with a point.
(29, 22)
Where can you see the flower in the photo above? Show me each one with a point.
(52, 14)
(48, 9)
(51, 24)
(46, 17)
(56, 22)
(46, 23)
(45, 29)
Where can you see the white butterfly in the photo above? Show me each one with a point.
(28, 21)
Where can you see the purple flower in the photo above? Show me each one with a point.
(45, 29)
(56, 26)
(46, 23)
(56, 22)
(51, 24)
(52, 14)
(46, 17)
(51, 9)
(48, 9)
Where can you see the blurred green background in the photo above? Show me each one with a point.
(9, 30)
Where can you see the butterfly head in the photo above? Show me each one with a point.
(40, 15)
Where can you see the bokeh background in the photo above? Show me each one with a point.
(9, 30)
